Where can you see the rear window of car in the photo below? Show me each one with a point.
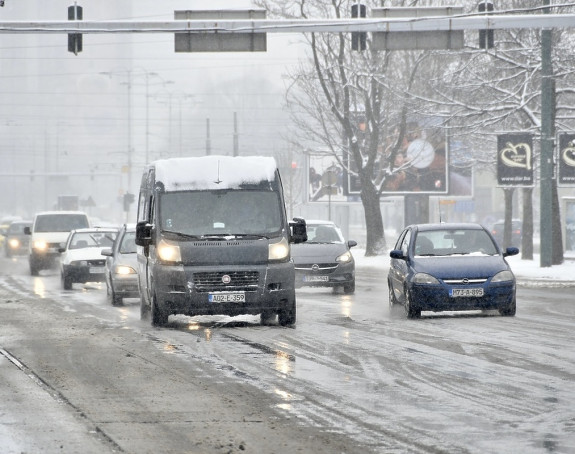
(60, 222)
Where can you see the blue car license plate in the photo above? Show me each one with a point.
(466, 292)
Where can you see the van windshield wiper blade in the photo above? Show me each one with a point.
(182, 235)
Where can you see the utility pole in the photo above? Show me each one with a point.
(208, 139)
(547, 145)
(236, 144)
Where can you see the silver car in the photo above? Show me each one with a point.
(121, 266)
(325, 259)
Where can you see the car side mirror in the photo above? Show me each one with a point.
(397, 254)
(107, 252)
(510, 251)
(144, 233)
(351, 243)
(298, 230)
(27, 231)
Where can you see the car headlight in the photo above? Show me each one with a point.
(79, 263)
(41, 245)
(14, 243)
(279, 250)
(503, 276)
(424, 278)
(344, 258)
(124, 270)
(169, 252)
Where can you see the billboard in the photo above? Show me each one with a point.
(419, 166)
(566, 159)
(515, 160)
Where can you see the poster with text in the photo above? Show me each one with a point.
(515, 160)
(566, 159)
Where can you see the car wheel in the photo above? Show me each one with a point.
(349, 288)
(392, 299)
(66, 281)
(144, 309)
(510, 310)
(112, 297)
(159, 318)
(34, 270)
(287, 316)
(410, 310)
(267, 317)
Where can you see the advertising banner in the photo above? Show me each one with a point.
(566, 159)
(420, 166)
(515, 160)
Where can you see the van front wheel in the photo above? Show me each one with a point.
(287, 316)
(159, 318)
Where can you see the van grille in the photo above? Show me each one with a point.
(246, 281)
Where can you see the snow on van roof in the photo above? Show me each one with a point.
(213, 172)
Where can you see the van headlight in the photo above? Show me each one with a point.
(278, 251)
(14, 243)
(169, 252)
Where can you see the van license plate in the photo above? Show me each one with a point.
(238, 297)
(97, 270)
(463, 292)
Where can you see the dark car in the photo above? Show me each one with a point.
(121, 266)
(498, 229)
(325, 259)
(450, 267)
(16, 241)
(81, 259)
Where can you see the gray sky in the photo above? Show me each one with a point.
(65, 114)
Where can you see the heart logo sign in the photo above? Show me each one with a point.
(568, 155)
(516, 155)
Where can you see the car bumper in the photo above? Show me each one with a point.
(184, 290)
(126, 287)
(84, 274)
(340, 274)
(437, 298)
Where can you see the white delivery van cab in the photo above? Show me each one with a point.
(213, 238)
(50, 231)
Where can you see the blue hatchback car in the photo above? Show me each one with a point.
(450, 267)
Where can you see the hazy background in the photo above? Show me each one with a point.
(65, 120)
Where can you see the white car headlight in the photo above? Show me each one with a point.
(424, 278)
(344, 258)
(503, 276)
(279, 250)
(14, 243)
(41, 245)
(124, 270)
(169, 252)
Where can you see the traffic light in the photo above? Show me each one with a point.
(75, 39)
(486, 37)
(358, 39)
(128, 200)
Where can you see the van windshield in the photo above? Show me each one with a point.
(60, 222)
(222, 212)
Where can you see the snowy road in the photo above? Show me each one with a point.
(351, 377)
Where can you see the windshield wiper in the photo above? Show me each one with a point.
(181, 235)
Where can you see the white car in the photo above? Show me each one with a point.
(81, 259)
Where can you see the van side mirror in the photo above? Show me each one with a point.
(144, 233)
(27, 231)
(298, 231)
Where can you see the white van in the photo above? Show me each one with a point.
(213, 238)
(50, 231)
